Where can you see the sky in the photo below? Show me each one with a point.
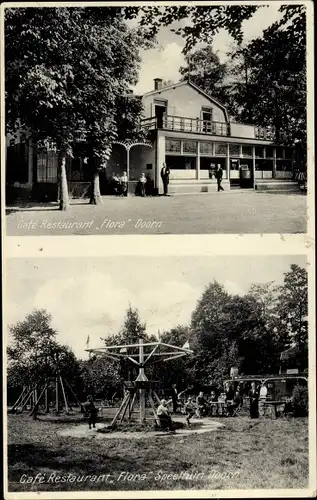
(165, 60)
(90, 296)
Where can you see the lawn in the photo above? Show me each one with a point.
(243, 454)
(228, 213)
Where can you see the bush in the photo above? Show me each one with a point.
(300, 401)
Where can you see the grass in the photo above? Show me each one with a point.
(244, 454)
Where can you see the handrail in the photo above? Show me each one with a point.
(188, 124)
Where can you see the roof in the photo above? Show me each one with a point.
(194, 86)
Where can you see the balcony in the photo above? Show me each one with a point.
(195, 125)
(183, 124)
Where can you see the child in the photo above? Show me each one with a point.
(190, 410)
(92, 412)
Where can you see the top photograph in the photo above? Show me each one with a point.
(161, 119)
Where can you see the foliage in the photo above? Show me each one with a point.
(100, 377)
(204, 68)
(203, 23)
(300, 400)
(268, 76)
(35, 354)
(63, 80)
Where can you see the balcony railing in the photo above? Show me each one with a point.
(183, 124)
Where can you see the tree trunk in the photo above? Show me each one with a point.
(95, 198)
(63, 188)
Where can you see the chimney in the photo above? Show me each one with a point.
(158, 83)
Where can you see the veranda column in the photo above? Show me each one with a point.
(198, 161)
(160, 159)
(228, 164)
(274, 164)
(253, 166)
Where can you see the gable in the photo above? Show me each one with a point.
(184, 99)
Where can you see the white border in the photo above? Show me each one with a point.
(163, 245)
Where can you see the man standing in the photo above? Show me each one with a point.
(219, 177)
(254, 401)
(165, 174)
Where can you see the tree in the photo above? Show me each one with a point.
(100, 377)
(292, 307)
(204, 68)
(34, 355)
(63, 81)
(272, 91)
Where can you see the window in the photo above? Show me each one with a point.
(190, 147)
(206, 148)
(234, 149)
(173, 146)
(149, 166)
(247, 151)
(269, 152)
(279, 152)
(47, 167)
(259, 152)
(220, 149)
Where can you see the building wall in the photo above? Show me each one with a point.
(182, 101)
(241, 130)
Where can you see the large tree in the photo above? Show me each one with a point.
(66, 72)
(203, 67)
(35, 357)
(269, 75)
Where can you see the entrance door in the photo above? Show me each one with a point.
(160, 113)
(207, 119)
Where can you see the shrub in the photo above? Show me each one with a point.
(300, 401)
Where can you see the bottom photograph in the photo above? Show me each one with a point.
(165, 373)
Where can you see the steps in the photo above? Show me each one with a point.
(195, 186)
(283, 186)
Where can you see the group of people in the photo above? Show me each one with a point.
(120, 184)
(145, 185)
(198, 407)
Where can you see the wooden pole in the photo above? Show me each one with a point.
(153, 408)
(119, 411)
(131, 405)
(74, 394)
(56, 395)
(64, 394)
(20, 398)
(141, 372)
(46, 400)
(124, 410)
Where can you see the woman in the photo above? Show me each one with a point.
(142, 182)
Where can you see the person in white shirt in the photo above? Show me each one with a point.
(142, 181)
(164, 415)
(124, 184)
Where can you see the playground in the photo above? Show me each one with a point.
(241, 454)
(134, 443)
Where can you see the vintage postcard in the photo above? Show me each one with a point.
(158, 265)
(185, 101)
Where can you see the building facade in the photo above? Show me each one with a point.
(187, 129)
(192, 133)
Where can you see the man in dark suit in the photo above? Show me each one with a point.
(219, 174)
(165, 174)
(254, 401)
